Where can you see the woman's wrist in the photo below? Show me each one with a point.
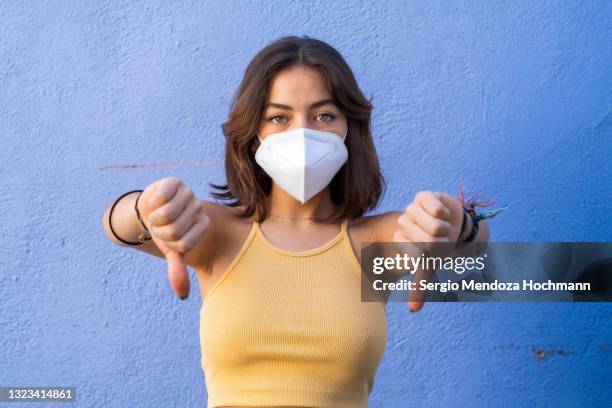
(123, 221)
(144, 234)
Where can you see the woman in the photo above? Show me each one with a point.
(282, 322)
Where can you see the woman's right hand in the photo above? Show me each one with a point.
(176, 223)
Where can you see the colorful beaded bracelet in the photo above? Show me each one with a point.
(469, 206)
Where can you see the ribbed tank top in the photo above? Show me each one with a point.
(283, 328)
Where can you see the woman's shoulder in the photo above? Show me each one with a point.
(225, 218)
(375, 227)
(226, 229)
(226, 222)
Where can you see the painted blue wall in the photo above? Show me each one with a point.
(513, 97)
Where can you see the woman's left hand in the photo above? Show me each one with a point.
(431, 217)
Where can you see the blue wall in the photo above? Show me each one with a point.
(513, 97)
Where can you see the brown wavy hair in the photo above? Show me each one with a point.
(358, 185)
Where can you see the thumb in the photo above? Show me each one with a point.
(177, 273)
(177, 269)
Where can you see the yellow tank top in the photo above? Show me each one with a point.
(289, 328)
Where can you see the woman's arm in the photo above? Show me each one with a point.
(431, 217)
(127, 226)
(387, 225)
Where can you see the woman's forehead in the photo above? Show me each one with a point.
(299, 86)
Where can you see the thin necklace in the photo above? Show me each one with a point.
(293, 218)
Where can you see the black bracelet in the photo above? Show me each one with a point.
(475, 224)
(462, 226)
(110, 217)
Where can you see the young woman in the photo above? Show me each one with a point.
(282, 321)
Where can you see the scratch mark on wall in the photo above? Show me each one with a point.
(155, 165)
(541, 353)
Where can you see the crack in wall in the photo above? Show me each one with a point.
(157, 165)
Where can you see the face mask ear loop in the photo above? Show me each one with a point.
(345, 133)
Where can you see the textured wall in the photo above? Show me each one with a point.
(514, 97)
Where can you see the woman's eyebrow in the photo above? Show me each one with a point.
(286, 107)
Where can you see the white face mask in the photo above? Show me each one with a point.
(302, 161)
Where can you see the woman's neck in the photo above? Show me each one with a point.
(281, 205)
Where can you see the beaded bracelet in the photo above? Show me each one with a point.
(143, 236)
(469, 207)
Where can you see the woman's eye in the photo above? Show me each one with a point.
(329, 117)
(273, 119)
